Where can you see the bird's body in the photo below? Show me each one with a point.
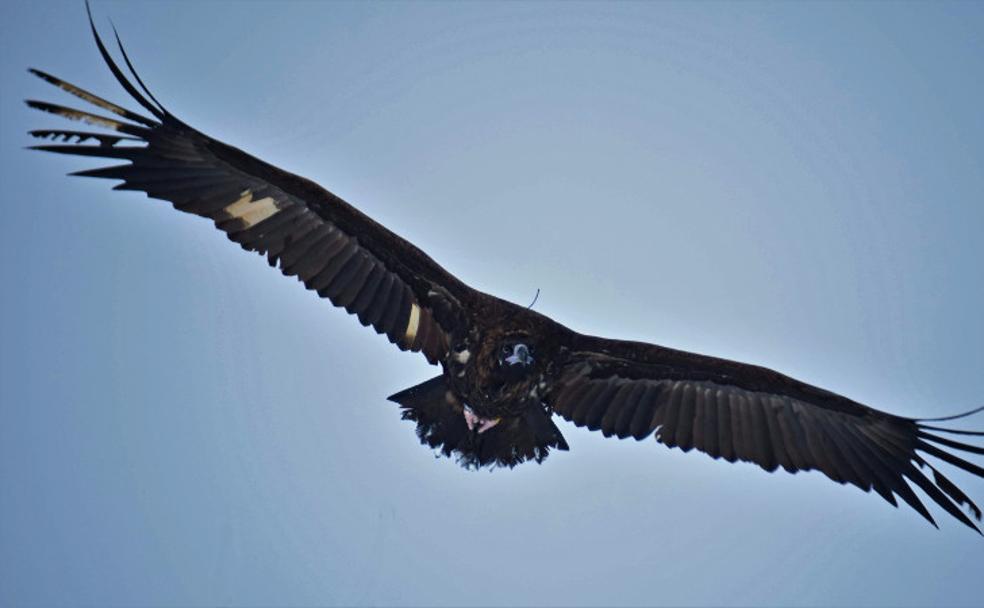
(476, 369)
(505, 369)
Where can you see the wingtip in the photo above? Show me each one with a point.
(133, 71)
(972, 526)
(37, 104)
(953, 417)
(41, 74)
(45, 76)
(92, 23)
(127, 86)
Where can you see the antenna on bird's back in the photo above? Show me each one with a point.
(530, 307)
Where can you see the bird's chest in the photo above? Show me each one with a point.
(478, 377)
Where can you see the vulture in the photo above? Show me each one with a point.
(506, 370)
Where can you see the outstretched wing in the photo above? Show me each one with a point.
(743, 412)
(309, 232)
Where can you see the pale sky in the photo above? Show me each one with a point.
(795, 185)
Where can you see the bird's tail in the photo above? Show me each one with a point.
(441, 425)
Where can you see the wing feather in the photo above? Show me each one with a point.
(641, 425)
(308, 232)
(743, 412)
(726, 435)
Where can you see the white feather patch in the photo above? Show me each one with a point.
(413, 324)
(251, 212)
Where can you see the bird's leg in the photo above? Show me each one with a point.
(487, 424)
(483, 424)
(470, 418)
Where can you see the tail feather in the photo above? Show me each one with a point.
(441, 425)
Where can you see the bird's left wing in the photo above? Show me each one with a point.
(744, 412)
(309, 232)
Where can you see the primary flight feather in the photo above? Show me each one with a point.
(506, 370)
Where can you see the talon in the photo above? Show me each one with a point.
(471, 419)
(487, 424)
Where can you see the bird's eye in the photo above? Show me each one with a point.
(506, 349)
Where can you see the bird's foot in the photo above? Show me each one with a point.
(473, 420)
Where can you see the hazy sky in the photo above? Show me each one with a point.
(794, 185)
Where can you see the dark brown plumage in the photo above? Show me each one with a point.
(505, 369)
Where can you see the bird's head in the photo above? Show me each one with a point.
(515, 352)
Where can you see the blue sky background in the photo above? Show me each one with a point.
(794, 185)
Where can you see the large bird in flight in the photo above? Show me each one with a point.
(505, 370)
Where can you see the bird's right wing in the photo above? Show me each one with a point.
(309, 232)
